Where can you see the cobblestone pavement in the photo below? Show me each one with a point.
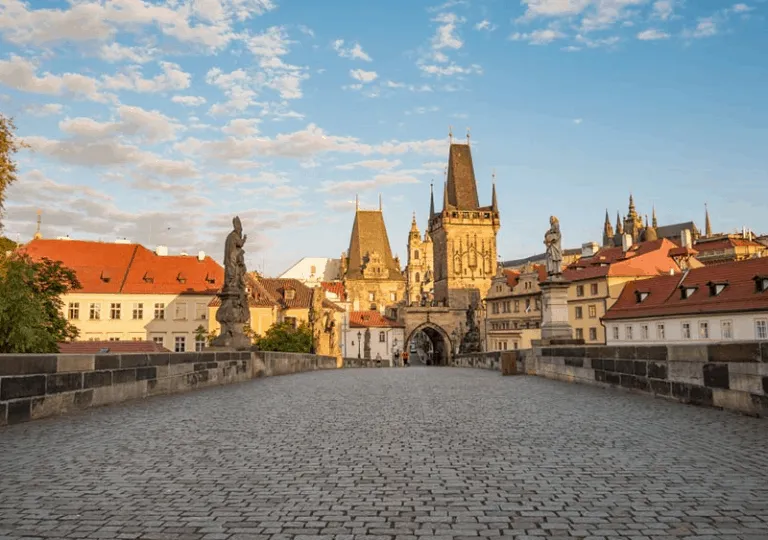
(369, 454)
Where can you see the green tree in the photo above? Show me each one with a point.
(6, 244)
(31, 319)
(9, 145)
(284, 337)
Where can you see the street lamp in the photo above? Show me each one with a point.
(359, 337)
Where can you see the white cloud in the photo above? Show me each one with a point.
(593, 14)
(47, 109)
(652, 34)
(242, 127)
(114, 52)
(664, 9)
(378, 164)
(538, 37)
(21, 74)
(379, 180)
(577, 121)
(269, 47)
(450, 69)
(446, 36)
(486, 25)
(147, 126)
(363, 76)
(706, 27)
(355, 51)
(741, 8)
(423, 110)
(171, 78)
(189, 101)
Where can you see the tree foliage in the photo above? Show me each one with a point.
(9, 145)
(31, 319)
(284, 337)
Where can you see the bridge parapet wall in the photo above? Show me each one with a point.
(732, 376)
(366, 363)
(508, 362)
(38, 386)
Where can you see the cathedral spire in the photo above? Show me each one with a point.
(414, 226)
(707, 224)
(445, 196)
(357, 202)
(619, 224)
(607, 230)
(381, 205)
(655, 223)
(494, 202)
(38, 234)
(431, 199)
(632, 211)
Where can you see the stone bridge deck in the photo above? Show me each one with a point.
(413, 453)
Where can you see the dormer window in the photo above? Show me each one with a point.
(641, 296)
(686, 292)
(105, 276)
(210, 279)
(290, 294)
(761, 283)
(149, 277)
(181, 277)
(716, 288)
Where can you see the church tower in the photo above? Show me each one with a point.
(420, 263)
(463, 235)
(607, 231)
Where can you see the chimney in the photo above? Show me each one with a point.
(201, 256)
(122, 241)
(161, 251)
(685, 239)
(183, 253)
(626, 242)
(671, 271)
(589, 249)
(63, 238)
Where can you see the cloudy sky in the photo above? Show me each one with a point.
(159, 120)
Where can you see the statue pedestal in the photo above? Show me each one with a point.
(554, 317)
(233, 316)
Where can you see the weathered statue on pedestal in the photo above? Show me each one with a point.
(471, 342)
(233, 314)
(554, 255)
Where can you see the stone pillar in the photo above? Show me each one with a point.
(554, 316)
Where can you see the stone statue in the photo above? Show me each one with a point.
(554, 252)
(471, 342)
(367, 344)
(315, 318)
(234, 314)
(330, 329)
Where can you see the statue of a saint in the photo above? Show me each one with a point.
(234, 256)
(234, 313)
(554, 256)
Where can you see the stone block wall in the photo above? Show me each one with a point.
(365, 363)
(483, 360)
(731, 376)
(38, 386)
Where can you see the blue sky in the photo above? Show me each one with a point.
(158, 121)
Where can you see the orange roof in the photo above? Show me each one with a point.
(371, 319)
(93, 347)
(104, 267)
(512, 276)
(726, 243)
(664, 296)
(335, 287)
(302, 298)
(644, 259)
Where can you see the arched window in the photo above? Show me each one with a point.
(418, 278)
(416, 254)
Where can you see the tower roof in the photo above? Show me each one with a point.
(369, 235)
(461, 187)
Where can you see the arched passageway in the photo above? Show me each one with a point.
(429, 345)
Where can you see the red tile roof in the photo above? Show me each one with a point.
(513, 276)
(644, 259)
(726, 243)
(104, 267)
(335, 287)
(93, 347)
(302, 298)
(371, 319)
(664, 296)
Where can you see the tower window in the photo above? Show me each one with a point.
(418, 277)
(416, 254)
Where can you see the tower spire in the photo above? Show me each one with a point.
(619, 225)
(632, 211)
(450, 134)
(445, 196)
(381, 206)
(707, 224)
(494, 202)
(607, 230)
(357, 202)
(38, 234)
(467, 136)
(655, 223)
(431, 199)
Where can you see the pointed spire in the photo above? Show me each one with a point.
(414, 226)
(707, 224)
(450, 134)
(381, 206)
(431, 199)
(655, 223)
(445, 196)
(467, 136)
(646, 221)
(494, 202)
(357, 202)
(38, 234)
(619, 224)
(632, 212)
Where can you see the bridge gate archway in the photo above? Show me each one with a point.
(442, 328)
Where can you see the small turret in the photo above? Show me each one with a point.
(655, 223)
(445, 196)
(494, 202)
(607, 230)
(619, 224)
(431, 199)
(707, 224)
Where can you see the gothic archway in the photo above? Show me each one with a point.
(430, 345)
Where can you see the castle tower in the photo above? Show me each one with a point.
(463, 235)
(420, 263)
(607, 231)
(633, 223)
(372, 276)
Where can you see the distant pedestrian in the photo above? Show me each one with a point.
(405, 358)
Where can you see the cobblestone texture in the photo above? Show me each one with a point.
(417, 453)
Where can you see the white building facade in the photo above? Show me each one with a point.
(313, 271)
(688, 329)
(369, 335)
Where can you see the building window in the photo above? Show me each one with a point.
(416, 254)
(761, 329)
(160, 340)
(703, 330)
(114, 339)
(160, 311)
(579, 290)
(201, 311)
(628, 333)
(579, 312)
(686, 329)
(592, 311)
(418, 278)
(74, 310)
(180, 344)
(527, 305)
(644, 331)
(180, 312)
(114, 311)
(593, 289)
(538, 304)
(495, 308)
(616, 333)
(393, 297)
(138, 311)
(382, 337)
(199, 343)
(593, 334)
(290, 294)
(94, 312)
(726, 329)
(517, 306)
(660, 331)
(371, 296)
(579, 333)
